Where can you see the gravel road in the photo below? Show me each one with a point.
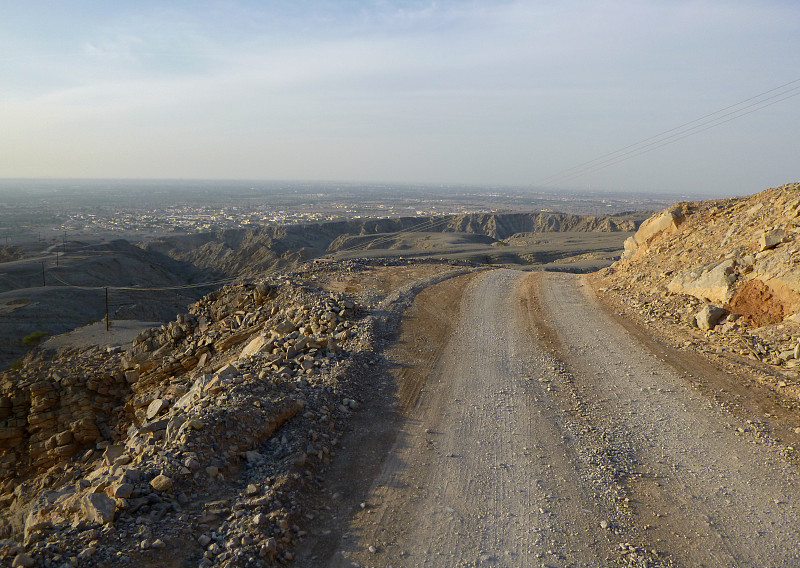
(543, 434)
(714, 490)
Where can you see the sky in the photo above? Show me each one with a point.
(496, 93)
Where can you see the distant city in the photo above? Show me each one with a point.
(56, 209)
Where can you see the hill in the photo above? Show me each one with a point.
(725, 274)
(251, 252)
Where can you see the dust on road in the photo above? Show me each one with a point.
(541, 433)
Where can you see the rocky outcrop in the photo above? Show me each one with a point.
(727, 272)
(668, 221)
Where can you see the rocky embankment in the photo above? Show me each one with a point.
(721, 276)
(202, 443)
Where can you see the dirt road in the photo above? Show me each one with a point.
(542, 434)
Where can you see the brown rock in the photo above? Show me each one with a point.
(161, 483)
(22, 560)
(112, 453)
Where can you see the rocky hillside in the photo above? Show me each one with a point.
(255, 251)
(727, 272)
(201, 443)
(74, 292)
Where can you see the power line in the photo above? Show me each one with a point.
(678, 133)
(669, 140)
(144, 289)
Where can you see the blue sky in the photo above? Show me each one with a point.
(478, 92)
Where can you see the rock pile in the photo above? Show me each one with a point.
(727, 272)
(193, 445)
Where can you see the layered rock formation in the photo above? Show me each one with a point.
(256, 251)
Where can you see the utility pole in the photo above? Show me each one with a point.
(56, 256)
(108, 321)
(44, 282)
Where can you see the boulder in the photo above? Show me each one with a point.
(156, 407)
(98, 508)
(173, 427)
(154, 426)
(161, 483)
(113, 452)
(22, 560)
(667, 221)
(712, 282)
(709, 316)
(771, 239)
(284, 327)
(122, 490)
(228, 370)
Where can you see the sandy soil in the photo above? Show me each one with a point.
(120, 334)
(538, 431)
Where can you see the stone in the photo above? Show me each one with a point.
(771, 239)
(87, 553)
(709, 316)
(64, 438)
(173, 427)
(283, 328)
(161, 483)
(253, 457)
(156, 407)
(254, 347)
(131, 376)
(228, 370)
(121, 490)
(154, 426)
(112, 453)
(98, 508)
(668, 221)
(711, 282)
(22, 560)
(194, 393)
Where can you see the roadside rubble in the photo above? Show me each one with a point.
(203, 442)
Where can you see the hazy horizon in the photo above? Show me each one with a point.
(327, 187)
(495, 94)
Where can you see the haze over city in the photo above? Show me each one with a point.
(428, 92)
